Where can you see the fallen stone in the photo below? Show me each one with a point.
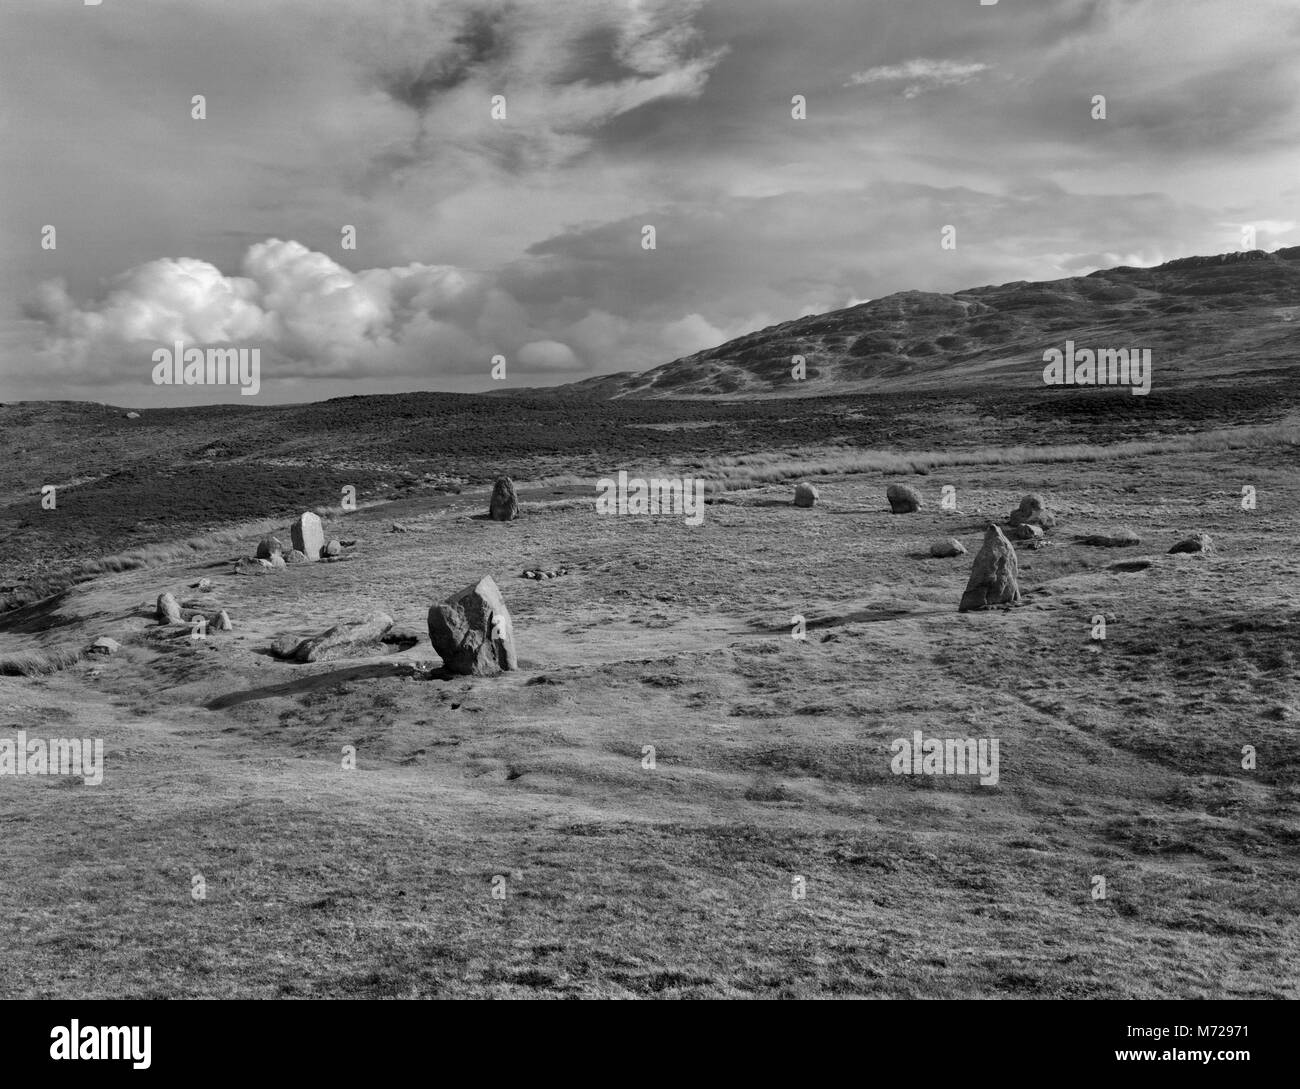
(133, 415)
(1023, 532)
(946, 548)
(902, 499)
(308, 536)
(104, 645)
(472, 631)
(993, 576)
(247, 566)
(805, 495)
(351, 639)
(1199, 543)
(332, 549)
(268, 547)
(397, 527)
(503, 506)
(1120, 539)
(295, 556)
(168, 609)
(286, 646)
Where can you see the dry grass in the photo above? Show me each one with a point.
(34, 663)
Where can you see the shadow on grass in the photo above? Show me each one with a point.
(369, 671)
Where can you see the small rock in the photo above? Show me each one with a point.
(949, 547)
(1031, 512)
(805, 495)
(104, 645)
(397, 527)
(1023, 532)
(332, 549)
(203, 585)
(1199, 543)
(133, 415)
(295, 556)
(248, 566)
(168, 609)
(902, 499)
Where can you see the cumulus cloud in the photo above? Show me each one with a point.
(302, 309)
(920, 75)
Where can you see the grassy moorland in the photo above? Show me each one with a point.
(1120, 758)
(131, 485)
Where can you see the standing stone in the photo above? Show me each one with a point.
(993, 577)
(472, 632)
(222, 622)
(169, 609)
(276, 560)
(805, 495)
(308, 536)
(504, 506)
(268, 547)
(902, 499)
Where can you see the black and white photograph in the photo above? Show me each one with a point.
(651, 500)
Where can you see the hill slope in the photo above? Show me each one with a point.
(1202, 317)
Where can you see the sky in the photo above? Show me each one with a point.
(522, 236)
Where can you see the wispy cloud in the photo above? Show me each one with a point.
(920, 75)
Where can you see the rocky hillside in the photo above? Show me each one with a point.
(1204, 318)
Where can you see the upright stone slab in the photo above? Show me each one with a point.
(994, 574)
(472, 632)
(168, 609)
(503, 506)
(308, 536)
